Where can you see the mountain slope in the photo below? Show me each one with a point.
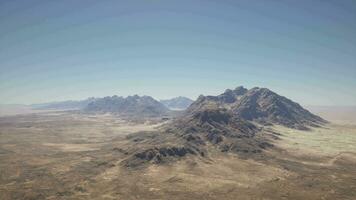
(198, 134)
(177, 103)
(263, 105)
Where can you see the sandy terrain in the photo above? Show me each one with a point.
(65, 155)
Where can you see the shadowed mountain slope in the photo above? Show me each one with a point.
(197, 134)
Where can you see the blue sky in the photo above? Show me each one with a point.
(60, 50)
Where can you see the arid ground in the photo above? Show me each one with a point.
(67, 155)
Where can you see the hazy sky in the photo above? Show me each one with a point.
(74, 49)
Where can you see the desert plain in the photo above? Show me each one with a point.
(71, 155)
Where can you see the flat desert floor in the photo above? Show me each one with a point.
(66, 155)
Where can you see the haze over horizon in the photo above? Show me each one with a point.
(72, 50)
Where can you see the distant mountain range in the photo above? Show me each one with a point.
(178, 103)
(64, 105)
(141, 106)
(131, 105)
(259, 105)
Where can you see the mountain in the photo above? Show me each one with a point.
(141, 106)
(63, 105)
(177, 103)
(260, 105)
(230, 122)
(198, 134)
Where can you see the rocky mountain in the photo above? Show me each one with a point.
(177, 103)
(63, 105)
(198, 134)
(230, 122)
(260, 105)
(140, 106)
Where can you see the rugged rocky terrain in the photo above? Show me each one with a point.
(231, 122)
(260, 105)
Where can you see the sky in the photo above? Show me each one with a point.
(74, 49)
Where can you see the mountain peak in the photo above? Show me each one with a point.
(260, 105)
(240, 90)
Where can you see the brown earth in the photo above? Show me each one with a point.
(66, 155)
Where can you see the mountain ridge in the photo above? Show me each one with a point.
(135, 105)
